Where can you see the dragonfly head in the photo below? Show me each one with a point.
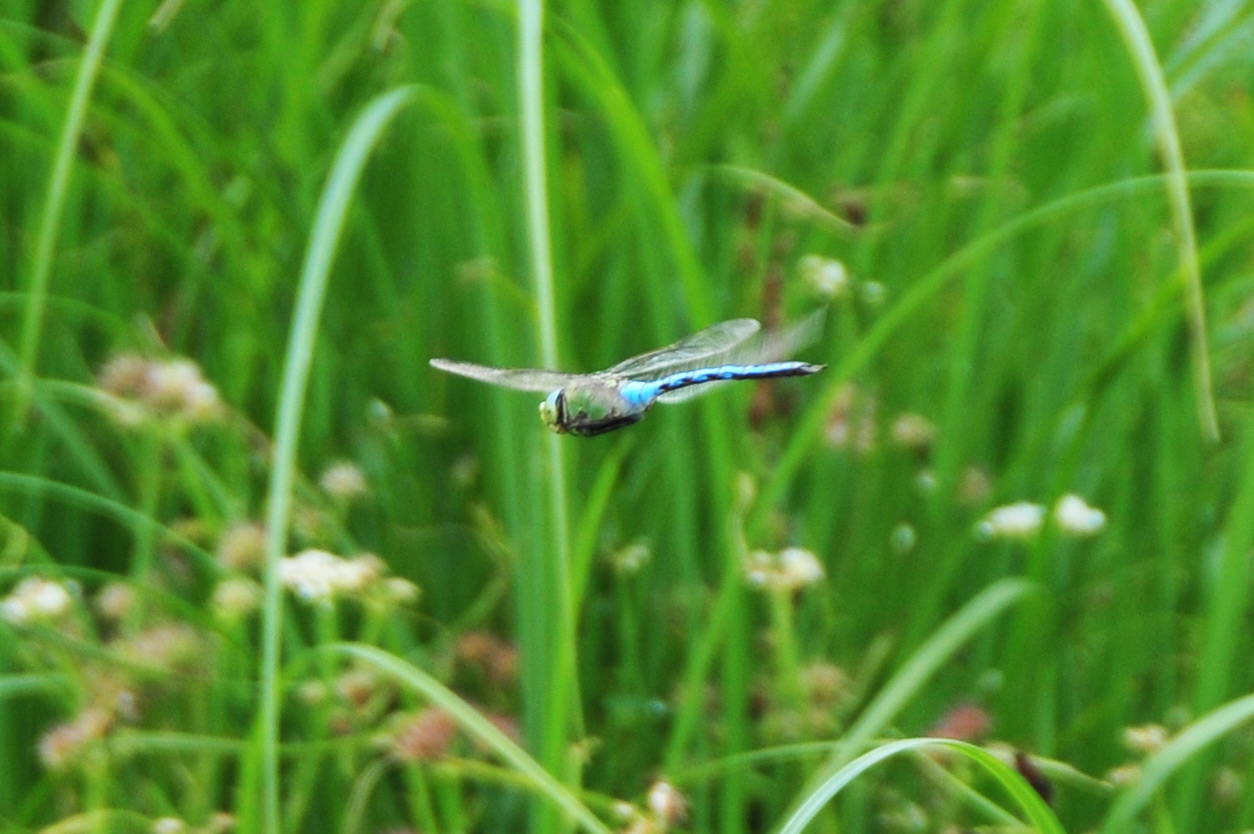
(553, 411)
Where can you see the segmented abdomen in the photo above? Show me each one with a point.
(700, 375)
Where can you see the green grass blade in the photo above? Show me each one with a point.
(1177, 753)
(474, 723)
(315, 274)
(1150, 72)
(50, 219)
(138, 523)
(916, 672)
(560, 679)
(1038, 813)
(923, 291)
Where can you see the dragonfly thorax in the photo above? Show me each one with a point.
(588, 410)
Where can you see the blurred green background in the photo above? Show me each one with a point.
(974, 191)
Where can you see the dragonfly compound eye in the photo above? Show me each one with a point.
(553, 411)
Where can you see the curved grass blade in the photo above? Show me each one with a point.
(1034, 808)
(929, 657)
(50, 222)
(1178, 752)
(932, 283)
(138, 523)
(1150, 72)
(796, 202)
(315, 274)
(483, 730)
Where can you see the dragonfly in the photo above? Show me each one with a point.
(591, 404)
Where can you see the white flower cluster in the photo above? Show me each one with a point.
(158, 388)
(790, 569)
(826, 276)
(1023, 520)
(344, 481)
(35, 599)
(319, 577)
(1074, 516)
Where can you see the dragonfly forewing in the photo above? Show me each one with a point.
(713, 340)
(522, 379)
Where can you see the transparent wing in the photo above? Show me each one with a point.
(717, 338)
(523, 379)
(773, 346)
(777, 345)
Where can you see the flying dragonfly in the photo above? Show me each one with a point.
(595, 403)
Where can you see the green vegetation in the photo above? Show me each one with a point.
(263, 569)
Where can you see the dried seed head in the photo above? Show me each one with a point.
(243, 546)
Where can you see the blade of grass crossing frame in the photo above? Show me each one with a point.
(553, 715)
(50, 221)
(315, 274)
(1150, 73)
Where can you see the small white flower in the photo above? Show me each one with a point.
(344, 481)
(177, 386)
(168, 825)
(629, 560)
(789, 570)
(400, 591)
(171, 646)
(1147, 739)
(243, 546)
(1013, 521)
(667, 803)
(235, 597)
(124, 375)
(800, 567)
(311, 574)
(622, 810)
(358, 573)
(1077, 518)
(170, 387)
(115, 601)
(827, 277)
(759, 568)
(319, 576)
(35, 599)
(912, 431)
(1124, 775)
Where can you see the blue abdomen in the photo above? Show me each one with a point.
(644, 393)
